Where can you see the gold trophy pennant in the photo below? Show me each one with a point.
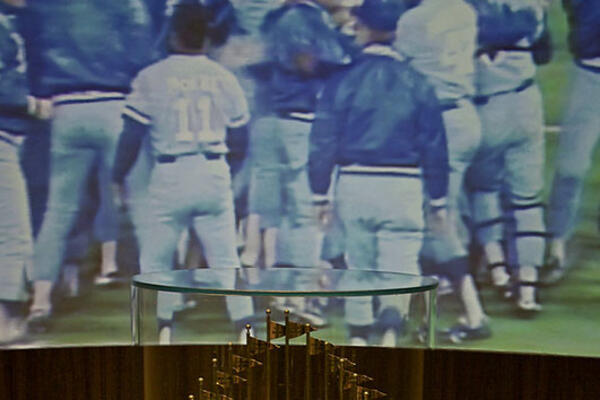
(317, 346)
(225, 380)
(241, 363)
(332, 364)
(364, 392)
(352, 378)
(294, 329)
(257, 346)
(276, 330)
(337, 360)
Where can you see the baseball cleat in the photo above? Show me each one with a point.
(500, 278)
(528, 308)
(109, 280)
(38, 320)
(555, 268)
(553, 272)
(461, 333)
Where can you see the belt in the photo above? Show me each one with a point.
(10, 139)
(409, 171)
(590, 62)
(448, 105)
(451, 104)
(481, 100)
(297, 115)
(169, 158)
(90, 96)
(590, 65)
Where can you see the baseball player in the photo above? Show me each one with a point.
(380, 122)
(187, 104)
(511, 156)
(17, 109)
(442, 49)
(302, 45)
(581, 128)
(91, 52)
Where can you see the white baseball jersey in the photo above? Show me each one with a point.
(189, 101)
(439, 38)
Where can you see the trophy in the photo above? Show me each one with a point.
(254, 375)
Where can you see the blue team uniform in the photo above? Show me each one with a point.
(279, 193)
(89, 51)
(15, 231)
(511, 157)
(380, 123)
(581, 122)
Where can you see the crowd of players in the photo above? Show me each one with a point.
(395, 135)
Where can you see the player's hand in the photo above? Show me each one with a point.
(41, 108)
(119, 193)
(437, 220)
(306, 63)
(324, 215)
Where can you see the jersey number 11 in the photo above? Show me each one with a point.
(193, 119)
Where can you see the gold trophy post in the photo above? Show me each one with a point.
(307, 383)
(287, 357)
(268, 357)
(250, 374)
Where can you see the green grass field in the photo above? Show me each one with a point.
(569, 324)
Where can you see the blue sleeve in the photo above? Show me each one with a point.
(237, 142)
(30, 25)
(128, 147)
(301, 31)
(137, 36)
(499, 25)
(432, 142)
(14, 87)
(157, 10)
(584, 24)
(324, 139)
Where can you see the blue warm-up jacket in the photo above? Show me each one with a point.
(379, 112)
(88, 45)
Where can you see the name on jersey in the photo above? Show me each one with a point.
(191, 84)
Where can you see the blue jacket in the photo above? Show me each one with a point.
(294, 32)
(14, 86)
(157, 10)
(81, 45)
(584, 23)
(379, 112)
(500, 26)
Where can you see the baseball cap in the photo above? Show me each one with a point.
(381, 15)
